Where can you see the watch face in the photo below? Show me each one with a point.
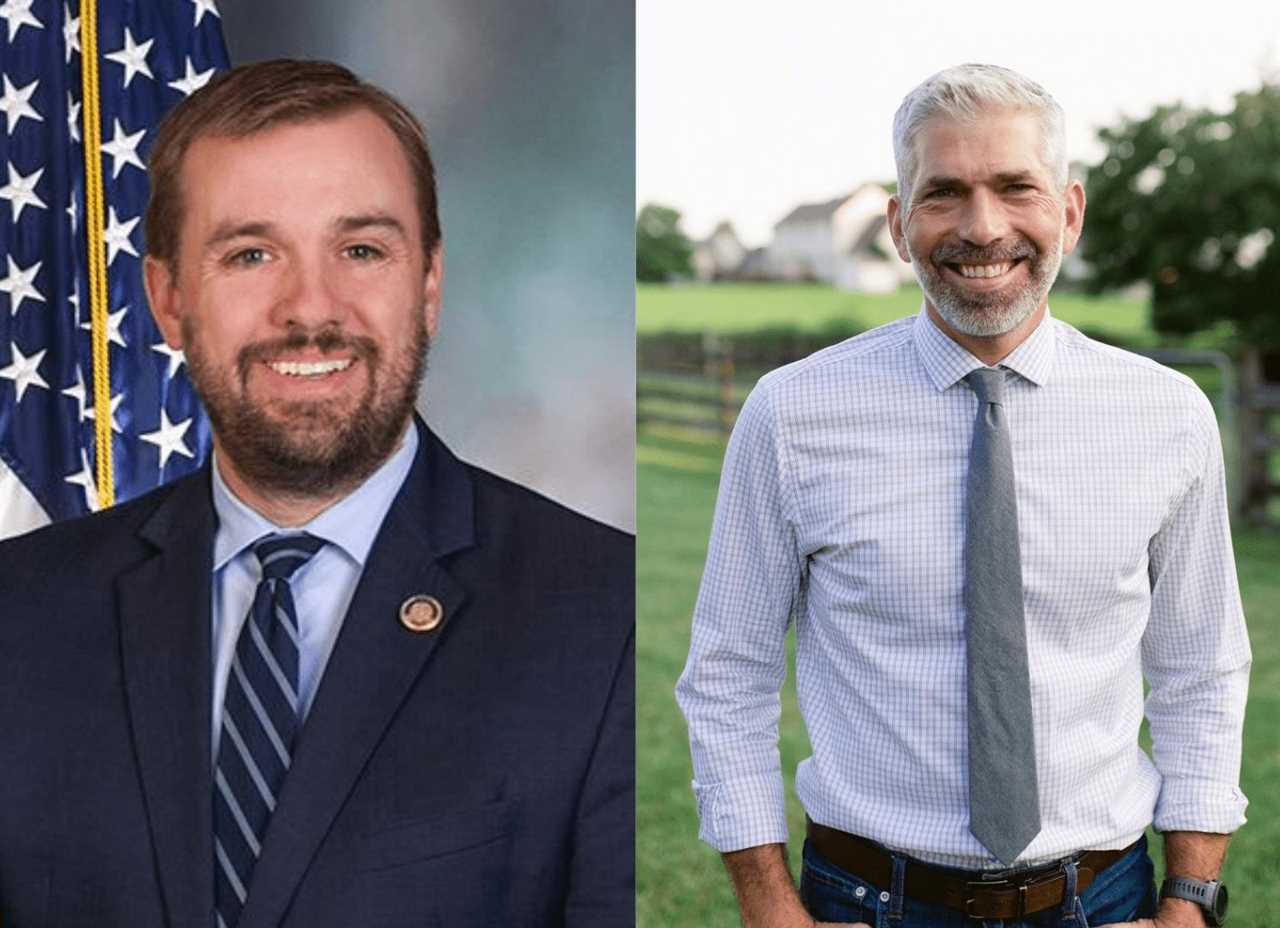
(1220, 903)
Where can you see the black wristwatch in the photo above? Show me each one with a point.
(1211, 896)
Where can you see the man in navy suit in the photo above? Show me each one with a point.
(338, 677)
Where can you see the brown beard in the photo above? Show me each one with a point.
(304, 449)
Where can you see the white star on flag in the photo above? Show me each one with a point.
(18, 13)
(114, 321)
(133, 56)
(16, 103)
(21, 191)
(193, 80)
(123, 149)
(76, 392)
(73, 117)
(113, 325)
(116, 235)
(20, 284)
(116, 400)
(24, 371)
(205, 6)
(175, 356)
(168, 438)
(70, 32)
(150, 56)
(84, 478)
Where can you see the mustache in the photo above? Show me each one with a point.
(959, 253)
(325, 340)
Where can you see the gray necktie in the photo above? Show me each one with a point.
(1004, 805)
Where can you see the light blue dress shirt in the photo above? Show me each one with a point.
(322, 588)
(842, 509)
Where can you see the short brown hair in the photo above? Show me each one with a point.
(259, 96)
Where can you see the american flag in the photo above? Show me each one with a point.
(150, 54)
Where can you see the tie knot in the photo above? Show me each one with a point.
(281, 555)
(988, 383)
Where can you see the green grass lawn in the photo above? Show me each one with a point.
(680, 881)
(814, 307)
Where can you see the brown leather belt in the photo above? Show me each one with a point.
(1014, 896)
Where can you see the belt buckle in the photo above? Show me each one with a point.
(995, 882)
(1000, 876)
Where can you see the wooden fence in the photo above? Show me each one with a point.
(704, 395)
(704, 399)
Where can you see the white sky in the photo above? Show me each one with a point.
(746, 108)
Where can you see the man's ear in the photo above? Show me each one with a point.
(1074, 221)
(895, 228)
(162, 297)
(433, 290)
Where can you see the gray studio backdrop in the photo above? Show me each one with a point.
(530, 113)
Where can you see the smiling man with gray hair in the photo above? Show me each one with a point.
(988, 530)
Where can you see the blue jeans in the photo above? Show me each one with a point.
(1124, 891)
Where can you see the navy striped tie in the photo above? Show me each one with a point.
(260, 717)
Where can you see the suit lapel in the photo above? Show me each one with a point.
(373, 666)
(165, 648)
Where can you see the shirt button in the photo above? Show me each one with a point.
(884, 897)
(860, 891)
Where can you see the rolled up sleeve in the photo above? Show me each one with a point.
(1195, 651)
(751, 589)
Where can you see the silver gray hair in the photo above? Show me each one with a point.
(964, 93)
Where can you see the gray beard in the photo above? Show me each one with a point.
(985, 315)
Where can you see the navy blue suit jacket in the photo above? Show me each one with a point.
(480, 774)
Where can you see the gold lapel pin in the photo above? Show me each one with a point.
(421, 613)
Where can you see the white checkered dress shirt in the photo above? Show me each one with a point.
(841, 507)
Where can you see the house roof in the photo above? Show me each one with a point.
(808, 212)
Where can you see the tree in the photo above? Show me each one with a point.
(1189, 201)
(662, 250)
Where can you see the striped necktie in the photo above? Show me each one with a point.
(260, 718)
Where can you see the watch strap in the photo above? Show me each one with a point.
(1198, 891)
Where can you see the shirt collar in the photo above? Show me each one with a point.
(351, 524)
(947, 362)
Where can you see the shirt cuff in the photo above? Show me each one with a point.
(742, 813)
(1199, 805)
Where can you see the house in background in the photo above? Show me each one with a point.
(803, 246)
(720, 255)
(755, 266)
(844, 242)
(870, 263)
